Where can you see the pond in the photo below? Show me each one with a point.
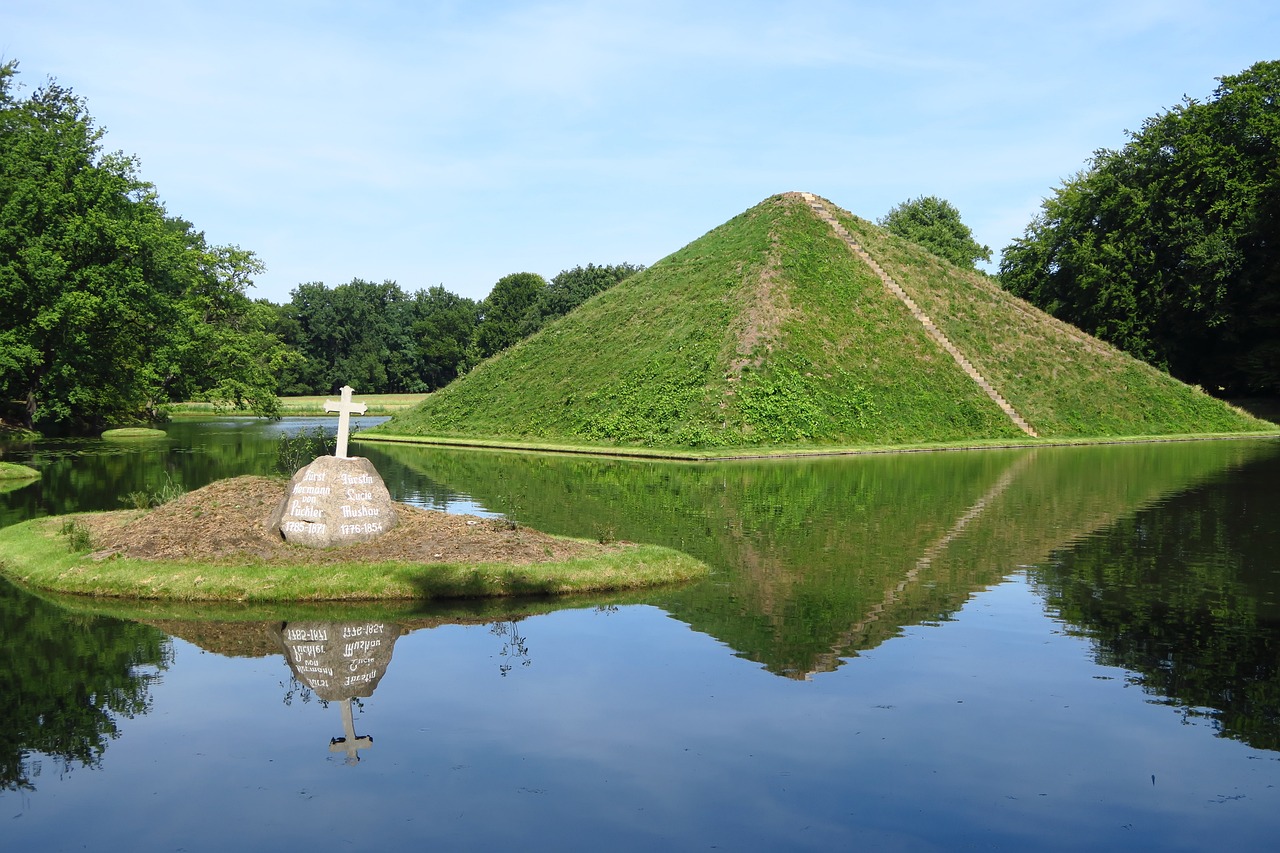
(1046, 649)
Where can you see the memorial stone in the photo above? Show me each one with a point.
(335, 501)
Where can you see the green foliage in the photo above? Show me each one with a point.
(935, 224)
(295, 451)
(443, 326)
(374, 337)
(1166, 248)
(112, 308)
(504, 310)
(571, 288)
(169, 490)
(78, 538)
(787, 407)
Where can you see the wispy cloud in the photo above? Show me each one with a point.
(449, 142)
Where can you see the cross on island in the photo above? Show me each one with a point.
(345, 409)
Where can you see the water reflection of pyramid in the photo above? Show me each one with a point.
(816, 560)
(340, 661)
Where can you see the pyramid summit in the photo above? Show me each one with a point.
(797, 324)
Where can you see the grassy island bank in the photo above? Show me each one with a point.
(212, 544)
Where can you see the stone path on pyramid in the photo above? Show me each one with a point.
(819, 206)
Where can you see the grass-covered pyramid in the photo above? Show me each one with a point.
(771, 331)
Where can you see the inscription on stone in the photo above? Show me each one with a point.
(335, 501)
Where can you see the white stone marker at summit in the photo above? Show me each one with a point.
(345, 409)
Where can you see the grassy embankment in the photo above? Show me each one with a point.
(768, 336)
(12, 471)
(379, 404)
(48, 554)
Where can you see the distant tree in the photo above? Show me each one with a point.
(571, 288)
(934, 224)
(443, 325)
(357, 334)
(1168, 247)
(374, 337)
(504, 309)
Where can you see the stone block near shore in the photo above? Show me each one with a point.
(334, 501)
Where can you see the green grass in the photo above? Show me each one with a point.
(49, 554)
(134, 432)
(379, 404)
(768, 334)
(12, 471)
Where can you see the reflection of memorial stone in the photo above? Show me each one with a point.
(335, 501)
(340, 661)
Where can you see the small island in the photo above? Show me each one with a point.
(215, 544)
(13, 471)
(134, 432)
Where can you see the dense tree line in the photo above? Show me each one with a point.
(374, 337)
(1170, 247)
(380, 339)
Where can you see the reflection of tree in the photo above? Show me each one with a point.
(1186, 596)
(66, 680)
(513, 645)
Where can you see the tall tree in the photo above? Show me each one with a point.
(504, 309)
(1167, 248)
(354, 334)
(935, 224)
(444, 324)
(374, 337)
(102, 291)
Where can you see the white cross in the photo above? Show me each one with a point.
(345, 408)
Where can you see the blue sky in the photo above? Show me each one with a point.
(453, 143)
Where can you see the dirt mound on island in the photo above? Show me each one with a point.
(227, 520)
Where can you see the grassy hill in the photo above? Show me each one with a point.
(770, 332)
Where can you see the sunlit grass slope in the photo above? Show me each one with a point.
(768, 331)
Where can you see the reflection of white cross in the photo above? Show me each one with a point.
(351, 743)
(345, 408)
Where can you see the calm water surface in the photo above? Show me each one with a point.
(1057, 649)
